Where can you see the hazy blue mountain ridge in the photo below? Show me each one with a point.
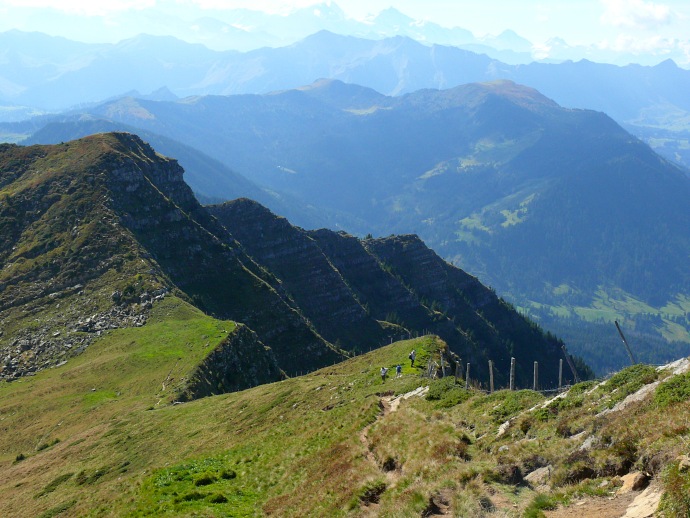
(647, 99)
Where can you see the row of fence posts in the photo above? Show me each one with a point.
(458, 374)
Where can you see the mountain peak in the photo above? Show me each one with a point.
(522, 95)
(343, 95)
(392, 16)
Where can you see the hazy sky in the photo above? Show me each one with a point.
(624, 24)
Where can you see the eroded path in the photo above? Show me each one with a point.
(387, 404)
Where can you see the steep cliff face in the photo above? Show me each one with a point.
(342, 283)
(305, 273)
(383, 294)
(240, 362)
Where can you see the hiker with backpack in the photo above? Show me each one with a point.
(384, 371)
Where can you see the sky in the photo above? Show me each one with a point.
(611, 24)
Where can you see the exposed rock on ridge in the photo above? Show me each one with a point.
(219, 372)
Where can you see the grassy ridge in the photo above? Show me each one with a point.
(325, 444)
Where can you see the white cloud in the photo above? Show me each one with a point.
(82, 7)
(636, 14)
(653, 45)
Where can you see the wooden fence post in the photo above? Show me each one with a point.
(536, 376)
(467, 377)
(491, 376)
(560, 373)
(512, 374)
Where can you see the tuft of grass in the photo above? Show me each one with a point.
(46, 445)
(205, 479)
(676, 498)
(57, 510)
(218, 498)
(54, 484)
(541, 502)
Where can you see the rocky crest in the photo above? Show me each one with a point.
(219, 374)
(396, 286)
(108, 214)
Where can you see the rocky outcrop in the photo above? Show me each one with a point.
(62, 255)
(241, 361)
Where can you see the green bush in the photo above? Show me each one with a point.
(580, 388)
(55, 511)
(514, 403)
(542, 414)
(447, 392)
(629, 381)
(636, 375)
(674, 390)
(228, 474)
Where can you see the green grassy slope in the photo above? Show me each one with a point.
(326, 444)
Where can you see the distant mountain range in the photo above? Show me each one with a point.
(246, 29)
(47, 73)
(94, 232)
(562, 210)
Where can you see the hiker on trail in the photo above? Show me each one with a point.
(412, 356)
(398, 371)
(384, 371)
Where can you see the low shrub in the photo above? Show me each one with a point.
(672, 391)
(54, 484)
(628, 381)
(542, 414)
(514, 403)
(447, 393)
(228, 474)
(55, 511)
(46, 445)
(205, 479)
